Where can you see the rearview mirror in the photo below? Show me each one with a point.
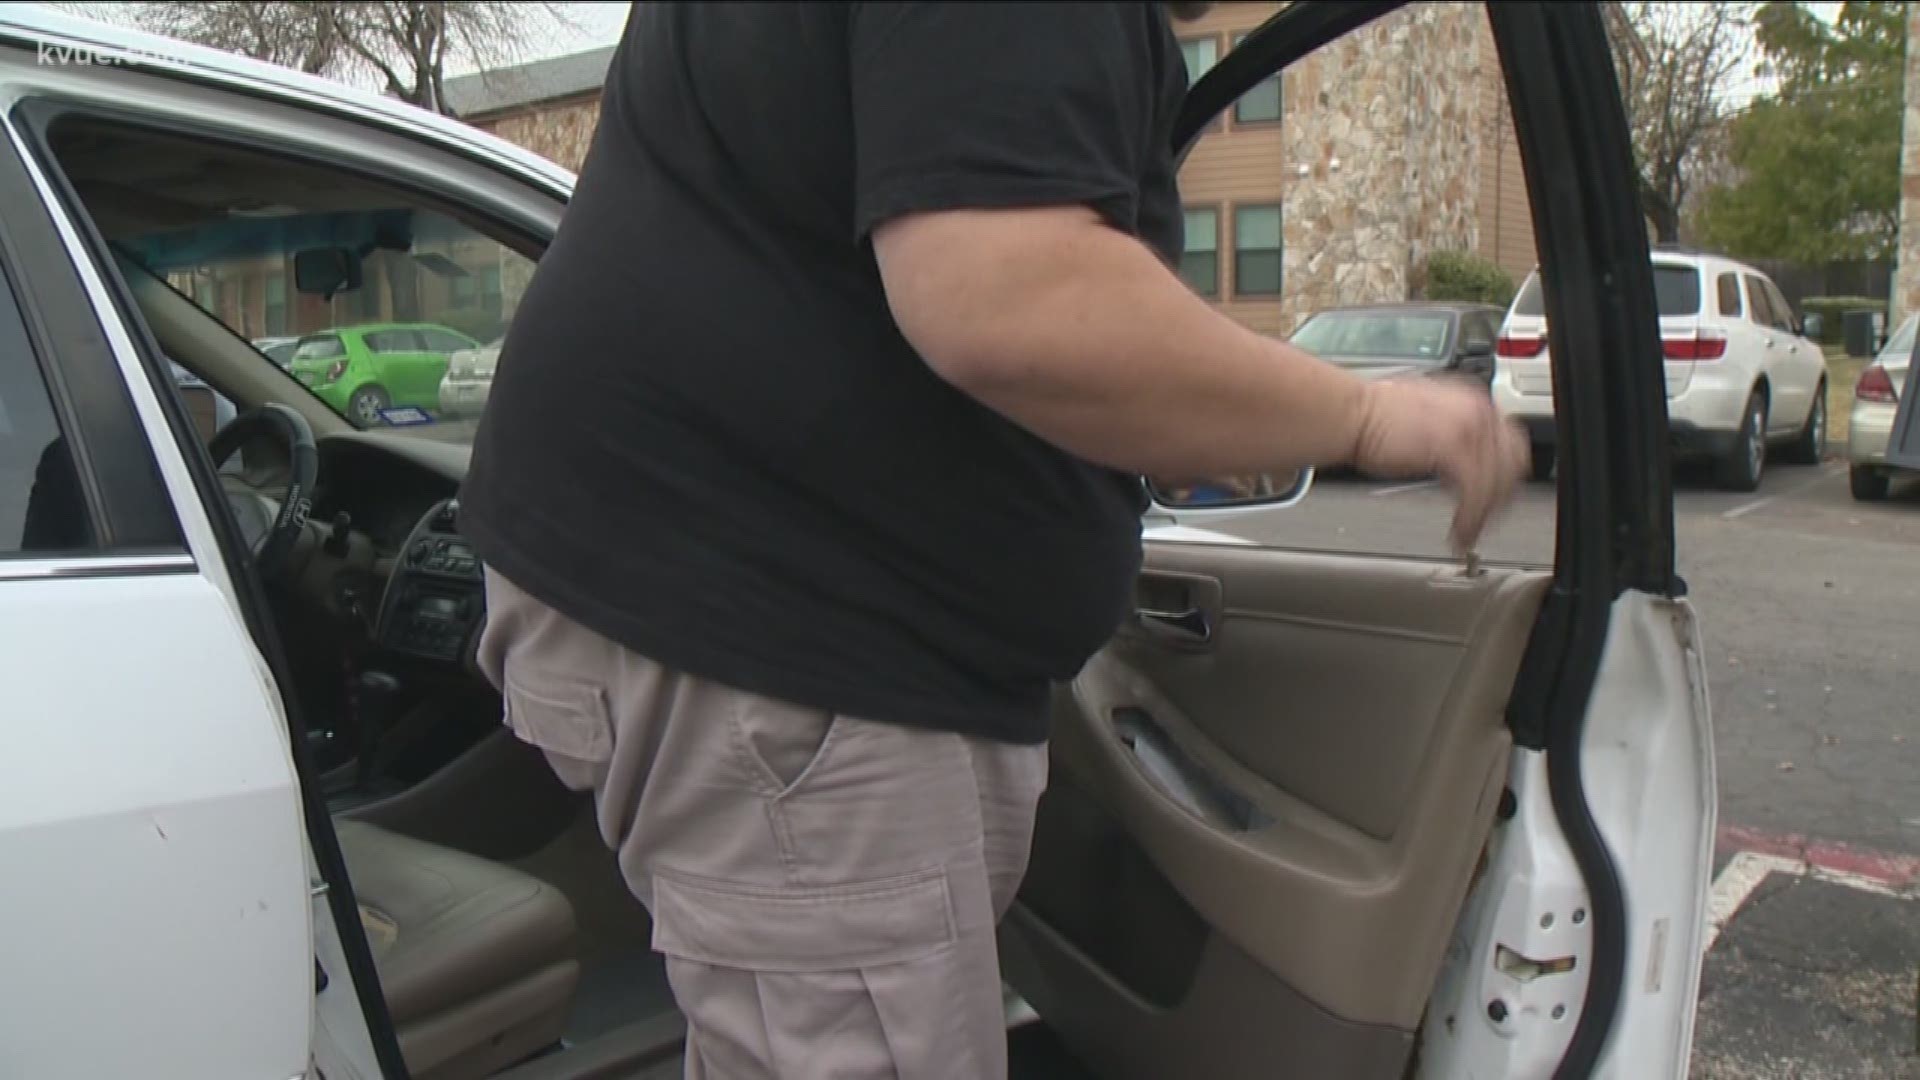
(326, 271)
(1231, 493)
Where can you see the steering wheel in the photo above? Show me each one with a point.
(271, 527)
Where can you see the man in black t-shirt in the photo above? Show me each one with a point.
(812, 463)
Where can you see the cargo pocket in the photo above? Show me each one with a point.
(856, 980)
(569, 722)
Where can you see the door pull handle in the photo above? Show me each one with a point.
(1190, 626)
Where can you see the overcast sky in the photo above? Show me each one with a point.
(592, 25)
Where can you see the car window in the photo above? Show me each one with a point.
(1299, 218)
(1531, 301)
(43, 510)
(1728, 286)
(1478, 329)
(1676, 288)
(444, 341)
(320, 347)
(392, 341)
(403, 268)
(1419, 337)
(1899, 347)
(1783, 317)
(1762, 304)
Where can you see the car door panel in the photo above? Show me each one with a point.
(1336, 749)
(152, 823)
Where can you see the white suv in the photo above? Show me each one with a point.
(1740, 375)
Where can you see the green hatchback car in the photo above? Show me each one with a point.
(363, 370)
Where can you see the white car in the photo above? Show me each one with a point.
(463, 389)
(1311, 814)
(1876, 402)
(1741, 378)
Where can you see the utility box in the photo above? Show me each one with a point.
(1858, 331)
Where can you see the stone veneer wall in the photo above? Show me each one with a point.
(1906, 278)
(1399, 106)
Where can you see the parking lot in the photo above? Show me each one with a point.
(1807, 601)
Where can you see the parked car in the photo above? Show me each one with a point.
(278, 349)
(1428, 338)
(1876, 399)
(364, 370)
(1741, 378)
(463, 392)
(1315, 814)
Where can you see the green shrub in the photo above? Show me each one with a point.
(1831, 308)
(1458, 275)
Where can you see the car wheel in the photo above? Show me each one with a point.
(1868, 484)
(1543, 456)
(1811, 443)
(367, 403)
(1746, 459)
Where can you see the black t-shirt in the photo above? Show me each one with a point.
(707, 439)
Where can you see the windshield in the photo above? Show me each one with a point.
(1676, 289)
(361, 292)
(1418, 337)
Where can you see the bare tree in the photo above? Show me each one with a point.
(404, 46)
(1676, 63)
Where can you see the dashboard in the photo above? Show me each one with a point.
(399, 494)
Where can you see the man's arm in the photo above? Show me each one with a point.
(1078, 333)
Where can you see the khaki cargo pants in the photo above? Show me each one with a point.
(824, 889)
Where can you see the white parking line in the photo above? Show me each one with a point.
(1749, 507)
(1747, 869)
(1398, 488)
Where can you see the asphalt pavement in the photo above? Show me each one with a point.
(1809, 604)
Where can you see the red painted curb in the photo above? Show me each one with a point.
(1886, 868)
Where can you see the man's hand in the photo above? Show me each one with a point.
(1424, 427)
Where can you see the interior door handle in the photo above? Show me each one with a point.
(1190, 626)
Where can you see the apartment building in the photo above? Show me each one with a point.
(1332, 182)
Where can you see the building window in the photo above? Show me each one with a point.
(275, 314)
(1256, 251)
(1200, 263)
(1260, 105)
(1201, 54)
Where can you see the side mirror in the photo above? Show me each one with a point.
(1231, 493)
(1812, 325)
(1476, 349)
(326, 271)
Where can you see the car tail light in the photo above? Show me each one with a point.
(1704, 344)
(1520, 348)
(335, 370)
(1875, 385)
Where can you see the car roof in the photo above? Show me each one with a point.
(33, 26)
(1389, 307)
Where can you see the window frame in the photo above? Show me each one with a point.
(1279, 252)
(1218, 210)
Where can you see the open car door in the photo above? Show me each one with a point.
(1369, 816)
